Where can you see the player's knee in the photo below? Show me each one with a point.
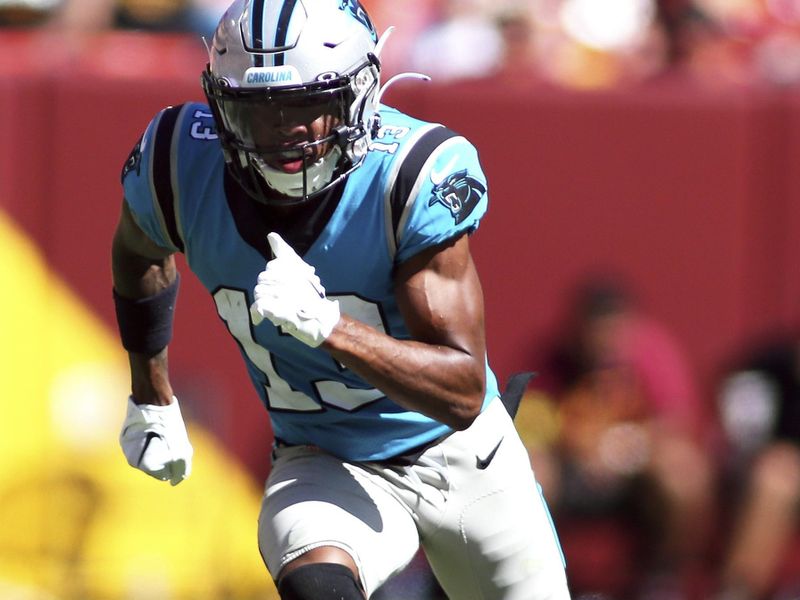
(320, 581)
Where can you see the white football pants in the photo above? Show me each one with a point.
(471, 501)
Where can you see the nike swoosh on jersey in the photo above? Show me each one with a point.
(439, 176)
(482, 463)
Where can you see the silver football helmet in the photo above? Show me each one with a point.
(293, 85)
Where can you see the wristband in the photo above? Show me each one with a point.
(145, 324)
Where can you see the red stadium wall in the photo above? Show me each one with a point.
(689, 193)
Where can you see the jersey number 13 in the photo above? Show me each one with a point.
(233, 308)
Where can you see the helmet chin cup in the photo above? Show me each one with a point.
(310, 180)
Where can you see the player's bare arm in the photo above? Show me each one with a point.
(141, 269)
(439, 373)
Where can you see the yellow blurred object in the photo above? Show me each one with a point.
(582, 67)
(537, 420)
(76, 522)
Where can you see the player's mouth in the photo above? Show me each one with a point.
(289, 162)
(291, 165)
(292, 161)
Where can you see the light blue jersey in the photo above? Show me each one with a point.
(420, 184)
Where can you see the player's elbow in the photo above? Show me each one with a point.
(468, 406)
(463, 418)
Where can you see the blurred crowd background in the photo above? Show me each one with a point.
(664, 485)
(581, 44)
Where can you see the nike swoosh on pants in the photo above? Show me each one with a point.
(482, 463)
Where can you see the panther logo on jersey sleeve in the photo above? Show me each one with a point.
(133, 162)
(459, 193)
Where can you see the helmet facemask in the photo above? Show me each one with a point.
(287, 144)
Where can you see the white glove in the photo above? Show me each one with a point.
(289, 294)
(154, 440)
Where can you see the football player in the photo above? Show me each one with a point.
(332, 233)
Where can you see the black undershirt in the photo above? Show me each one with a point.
(299, 225)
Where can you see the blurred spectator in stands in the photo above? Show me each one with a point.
(464, 42)
(586, 44)
(90, 16)
(744, 41)
(408, 25)
(26, 13)
(581, 44)
(573, 43)
(518, 63)
(759, 404)
(622, 454)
